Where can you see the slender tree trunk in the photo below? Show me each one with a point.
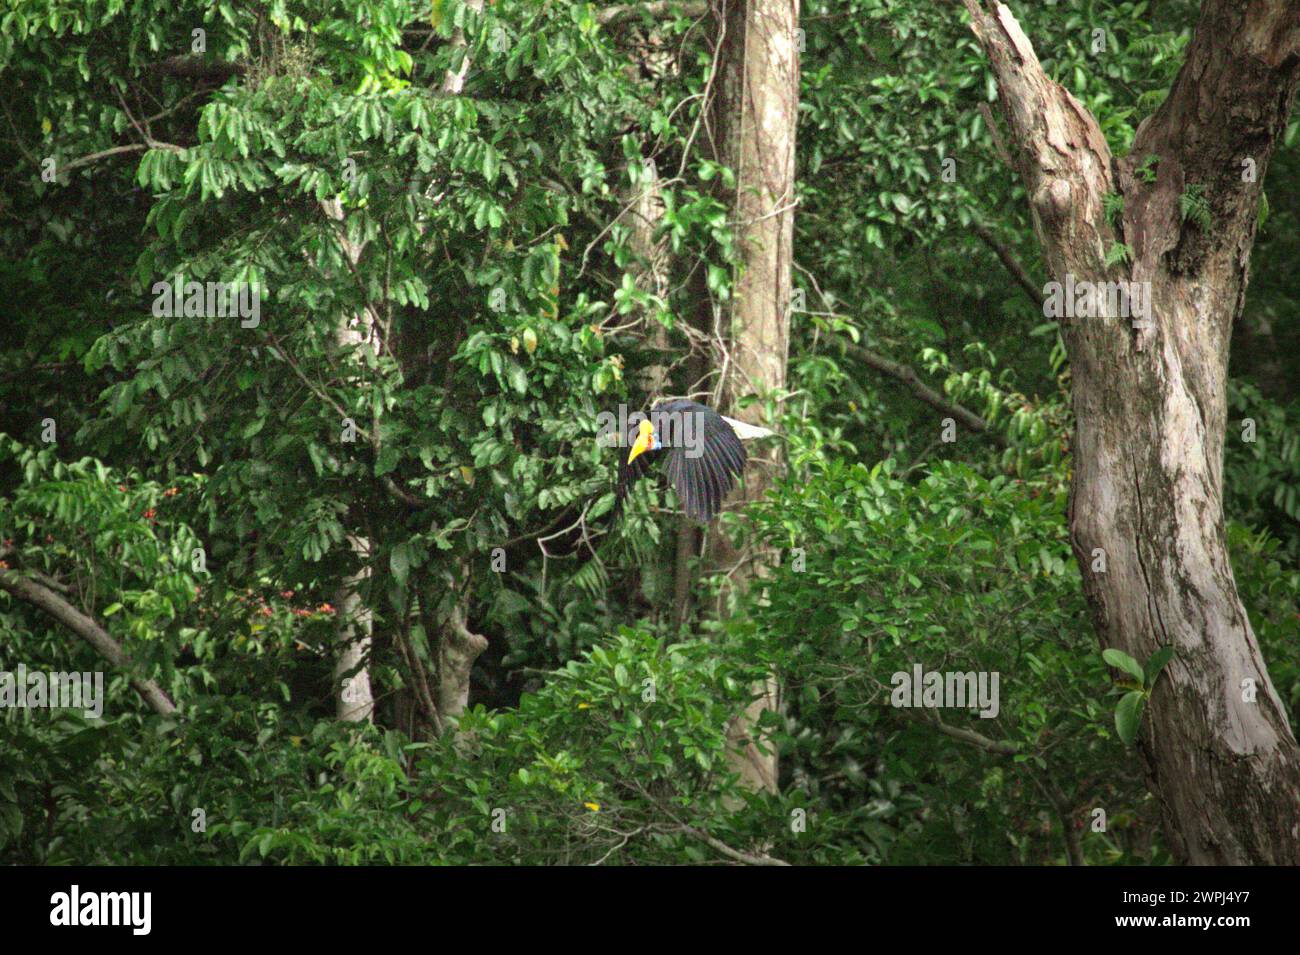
(353, 699)
(1146, 515)
(457, 648)
(756, 112)
(698, 364)
(645, 214)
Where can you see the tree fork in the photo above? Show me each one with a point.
(1150, 405)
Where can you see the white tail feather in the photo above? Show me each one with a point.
(745, 431)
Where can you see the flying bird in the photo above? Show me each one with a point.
(701, 449)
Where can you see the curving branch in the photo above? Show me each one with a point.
(46, 600)
(922, 391)
(1010, 263)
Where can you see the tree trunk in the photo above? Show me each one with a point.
(644, 203)
(457, 650)
(453, 81)
(1150, 408)
(353, 700)
(756, 111)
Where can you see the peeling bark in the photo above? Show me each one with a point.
(1150, 403)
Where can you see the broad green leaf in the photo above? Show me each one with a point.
(1155, 664)
(1122, 661)
(1128, 715)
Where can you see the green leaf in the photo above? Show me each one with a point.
(1122, 661)
(517, 378)
(400, 562)
(1157, 663)
(1128, 716)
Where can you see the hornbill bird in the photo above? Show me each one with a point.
(702, 450)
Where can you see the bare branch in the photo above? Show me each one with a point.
(924, 392)
(117, 151)
(717, 844)
(998, 144)
(1010, 262)
(994, 746)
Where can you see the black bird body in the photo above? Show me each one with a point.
(701, 454)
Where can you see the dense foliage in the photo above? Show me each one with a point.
(198, 484)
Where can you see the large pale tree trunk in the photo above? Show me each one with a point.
(756, 112)
(1149, 402)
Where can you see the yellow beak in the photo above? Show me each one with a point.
(642, 443)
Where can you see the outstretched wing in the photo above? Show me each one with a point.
(703, 477)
